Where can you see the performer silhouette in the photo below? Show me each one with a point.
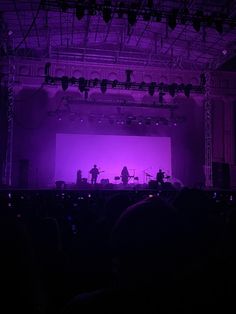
(125, 175)
(94, 172)
(160, 177)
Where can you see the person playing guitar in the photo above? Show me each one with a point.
(94, 172)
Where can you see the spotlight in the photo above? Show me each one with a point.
(187, 90)
(219, 25)
(151, 88)
(82, 84)
(92, 7)
(95, 82)
(106, 12)
(184, 16)
(147, 16)
(161, 94)
(197, 19)
(132, 14)
(64, 82)
(172, 89)
(128, 75)
(46, 69)
(142, 85)
(150, 4)
(104, 86)
(209, 20)
(63, 5)
(158, 16)
(172, 19)
(121, 10)
(79, 11)
(128, 78)
(114, 83)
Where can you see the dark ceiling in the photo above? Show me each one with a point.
(49, 29)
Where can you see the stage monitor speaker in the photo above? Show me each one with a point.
(221, 175)
(23, 173)
(60, 185)
(152, 184)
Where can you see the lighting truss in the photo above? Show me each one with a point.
(133, 11)
(84, 85)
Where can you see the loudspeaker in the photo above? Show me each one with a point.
(152, 184)
(23, 173)
(221, 175)
(60, 185)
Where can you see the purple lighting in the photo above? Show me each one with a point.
(111, 153)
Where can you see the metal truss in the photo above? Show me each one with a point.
(10, 115)
(208, 133)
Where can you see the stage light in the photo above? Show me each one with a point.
(184, 16)
(187, 90)
(197, 19)
(172, 19)
(106, 12)
(172, 89)
(128, 75)
(92, 7)
(46, 69)
(219, 25)
(64, 82)
(132, 14)
(121, 10)
(95, 82)
(103, 86)
(82, 84)
(161, 94)
(142, 85)
(63, 5)
(151, 88)
(79, 11)
(114, 83)
(158, 16)
(147, 16)
(209, 20)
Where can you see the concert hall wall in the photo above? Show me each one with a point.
(36, 128)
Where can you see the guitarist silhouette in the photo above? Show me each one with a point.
(94, 172)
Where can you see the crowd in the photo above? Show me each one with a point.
(73, 252)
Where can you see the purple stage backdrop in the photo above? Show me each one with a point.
(142, 155)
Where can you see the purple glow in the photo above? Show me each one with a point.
(110, 153)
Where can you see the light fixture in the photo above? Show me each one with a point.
(132, 14)
(106, 12)
(103, 86)
(219, 25)
(114, 83)
(172, 19)
(82, 84)
(64, 82)
(161, 94)
(197, 19)
(142, 85)
(79, 11)
(172, 89)
(187, 89)
(92, 7)
(151, 88)
(121, 9)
